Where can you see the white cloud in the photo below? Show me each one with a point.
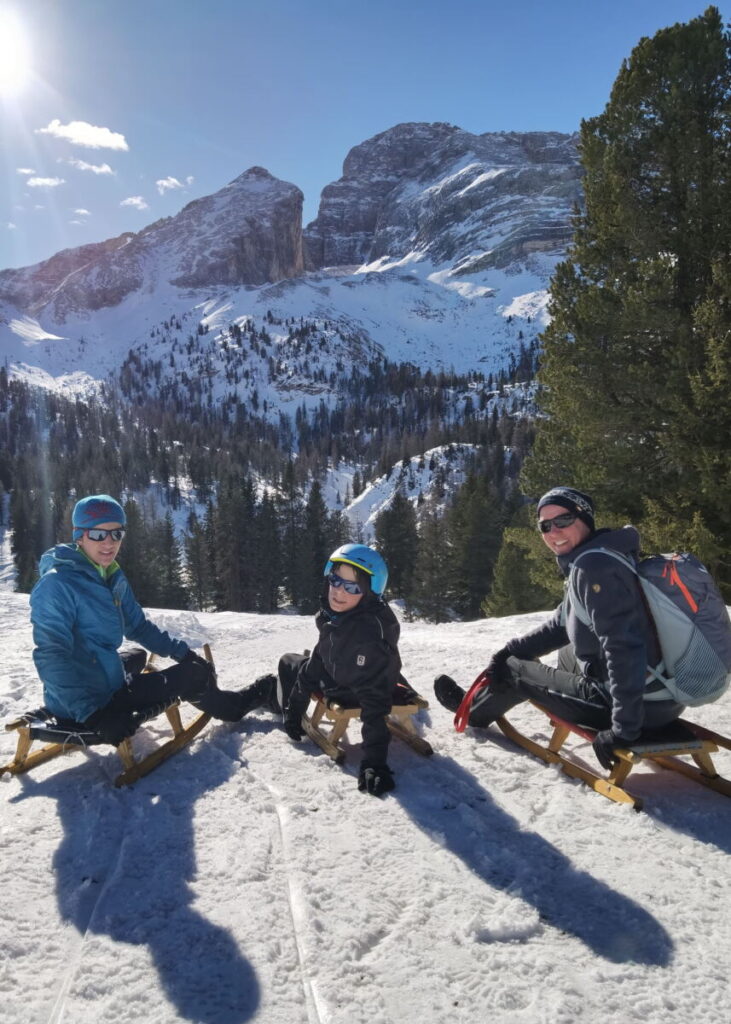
(82, 213)
(11, 226)
(82, 165)
(163, 184)
(136, 201)
(81, 133)
(46, 182)
(25, 170)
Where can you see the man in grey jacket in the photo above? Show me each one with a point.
(601, 680)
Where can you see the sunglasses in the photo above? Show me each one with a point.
(348, 585)
(99, 535)
(560, 522)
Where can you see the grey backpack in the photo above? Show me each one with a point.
(691, 621)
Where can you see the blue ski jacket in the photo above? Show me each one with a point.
(80, 615)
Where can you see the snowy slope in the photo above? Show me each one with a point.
(415, 312)
(438, 467)
(248, 880)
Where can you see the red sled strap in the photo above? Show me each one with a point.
(463, 711)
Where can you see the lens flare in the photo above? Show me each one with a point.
(15, 57)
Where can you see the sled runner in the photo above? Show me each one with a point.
(66, 736)
(328, 724)
(663, 747)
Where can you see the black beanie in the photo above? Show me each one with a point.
(573, 501)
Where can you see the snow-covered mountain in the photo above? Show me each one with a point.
(248, 233)
(435, 248)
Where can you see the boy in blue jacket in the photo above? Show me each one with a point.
(82, 608)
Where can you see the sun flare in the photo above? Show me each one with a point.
(15, 60)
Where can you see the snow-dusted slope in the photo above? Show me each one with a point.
(248, 880)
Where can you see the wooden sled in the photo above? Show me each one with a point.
(663, 747)
(328, 724)
(67, 737)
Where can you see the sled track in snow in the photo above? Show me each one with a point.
(316, 1011)
(58, 1010)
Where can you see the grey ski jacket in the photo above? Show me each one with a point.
(616, 648)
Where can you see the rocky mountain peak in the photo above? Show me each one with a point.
(443, 192)
(248, 233)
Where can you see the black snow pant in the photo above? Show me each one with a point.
(288, 669)
(145, 690)
(562, 690)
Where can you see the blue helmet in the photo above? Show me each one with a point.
(364, 558)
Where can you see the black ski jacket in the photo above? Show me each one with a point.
(355, 663)
(620, 643)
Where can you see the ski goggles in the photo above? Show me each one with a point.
(560, 522)
(99, 535)
(349, 586)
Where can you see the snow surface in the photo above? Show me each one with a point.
(248, 880)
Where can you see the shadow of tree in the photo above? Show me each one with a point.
(122, 870)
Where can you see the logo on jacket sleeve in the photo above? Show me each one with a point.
(360, 660)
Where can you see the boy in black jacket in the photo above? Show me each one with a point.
(355, 661)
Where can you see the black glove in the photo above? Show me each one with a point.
(191, 658)
(497, 669)
(114, 726)
(198, 678)
(375, 779)
(604, 744)
(294, 730)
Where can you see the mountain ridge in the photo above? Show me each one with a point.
(443, 242)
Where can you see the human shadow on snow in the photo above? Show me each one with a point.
(454, 807)
(122, 870)
(681, 805)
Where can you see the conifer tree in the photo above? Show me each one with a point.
(165, 555)
(526, 577)
(338, 530)
(634, 356)
(291, 517)
(197, 564)
(430, 590)
(398, 541)
(314, 549)
(475, 524)
(268, 560)
(23, 541)
(135, 555)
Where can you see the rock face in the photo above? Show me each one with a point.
(433, 192)
(248, 233)
(478, 201)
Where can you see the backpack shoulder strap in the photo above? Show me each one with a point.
(572, 594)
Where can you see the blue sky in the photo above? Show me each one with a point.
(122, 111)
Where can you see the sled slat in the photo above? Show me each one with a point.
(663, 747)
(32, 726)
(338, 718)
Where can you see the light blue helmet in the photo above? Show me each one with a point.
(364, 558)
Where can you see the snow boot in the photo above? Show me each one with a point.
(261, 694)
(448, 693)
